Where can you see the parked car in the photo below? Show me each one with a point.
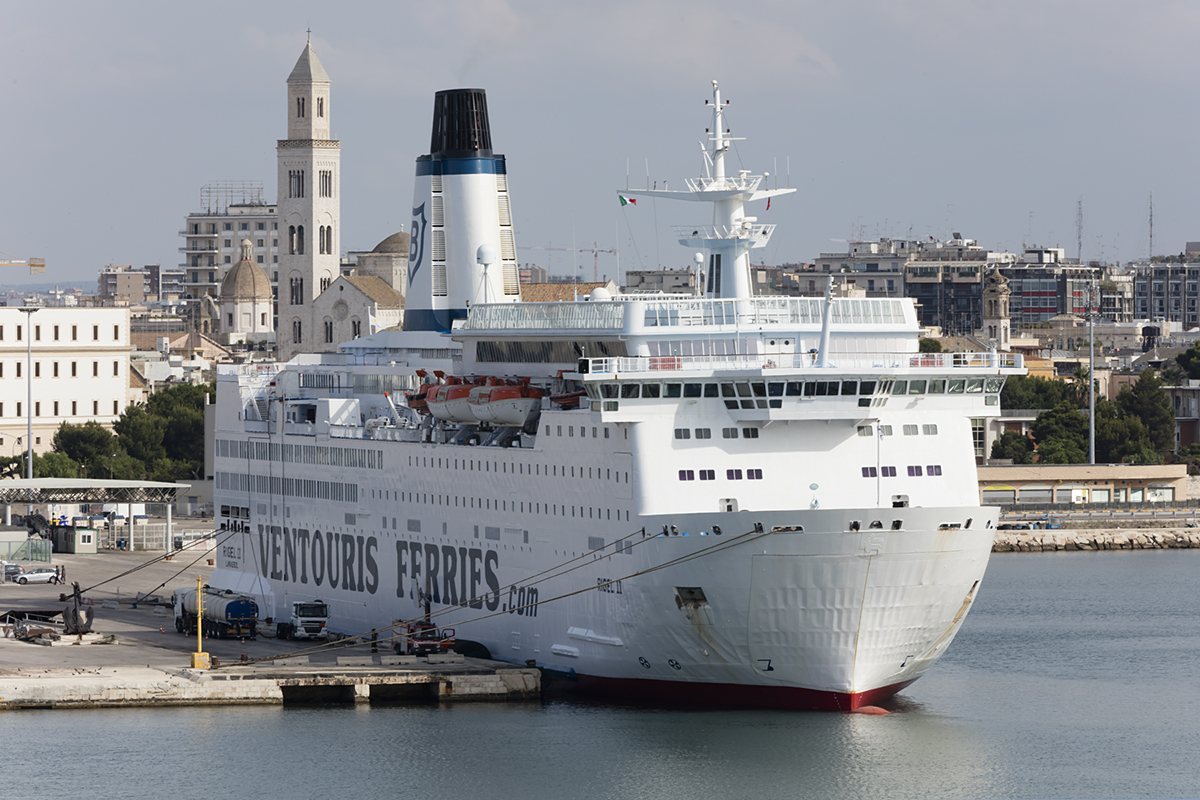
(12, 571)
(38, 575)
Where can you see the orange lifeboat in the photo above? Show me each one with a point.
(511, 404)
(450, 401)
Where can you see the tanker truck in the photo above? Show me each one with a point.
(225, 614)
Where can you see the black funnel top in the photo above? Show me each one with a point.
(460, 124)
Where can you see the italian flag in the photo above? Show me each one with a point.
(627, 201)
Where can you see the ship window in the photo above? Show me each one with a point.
(887, 472)
(937, 387)
(898, 523)
(729, 433)
(991, 400)
(606, 433)
(916, 387)
(710, 390)
(743, 389)
(849, 388)
(754, 474)
(609, 390)
(691, 390)
(810, 389)
(760, 389)
(957, 385)
(933, 470)
(793, 388)
(866, 387)
(727, 390)
(547, 430)
(910, 430)
(854, 525)
(864, 430)
(673, 390)
(650, 390)
(864, 402)
(869, 472)
(914, 472)
(571, 430)
(974, 385)
(591, 390)
(630, 390)
(993, 384)
(929, 430)
(708, 475)
(822, 389)
(733, 474)
(750, 433)
(683, 433)
(687, 475)
(900, 387)
(611, 405)
(775, 389)
(885, 430)
(876, 525)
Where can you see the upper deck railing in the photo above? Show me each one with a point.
(627, 314)
(807, 361)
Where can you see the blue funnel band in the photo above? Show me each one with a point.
(426, 319)
(493, 165)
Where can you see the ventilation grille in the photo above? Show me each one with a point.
(501, 183)
(512, 278)
(435, 182)
(438, 275)
(439, 245)
(504, 208)
(439, 218)
(508, 246)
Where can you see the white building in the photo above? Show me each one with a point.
(247, 315)
(80, 359)
(351, 307)
(309, 174)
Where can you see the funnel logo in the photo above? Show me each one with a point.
(416, 242)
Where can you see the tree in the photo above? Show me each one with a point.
(90, 444)
(141, 433)
(1173, 375)
(1062, 435)
(1189, 361)
(1023, 392)
(1147, 401)
(54, 465)
(1012, 445)
(929, 345)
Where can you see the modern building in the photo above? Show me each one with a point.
(80, 371)
(654, 281)
(233, 210)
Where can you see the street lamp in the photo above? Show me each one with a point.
(28, 310)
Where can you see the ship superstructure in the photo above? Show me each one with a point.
(728, 499)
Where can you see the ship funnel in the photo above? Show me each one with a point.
(460, 205)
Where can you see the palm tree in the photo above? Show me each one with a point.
(1173, 375)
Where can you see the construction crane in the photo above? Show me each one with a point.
(36, 265)
(595, 250)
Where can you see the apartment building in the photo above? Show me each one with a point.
(75, 361)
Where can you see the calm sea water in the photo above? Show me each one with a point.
(1076, 675)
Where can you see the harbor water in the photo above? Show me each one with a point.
(1076, 675)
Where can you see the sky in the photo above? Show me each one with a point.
(901, 118)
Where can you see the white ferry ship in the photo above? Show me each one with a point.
(720, 499)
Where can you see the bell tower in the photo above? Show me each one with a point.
(996, 323)
(309, 166)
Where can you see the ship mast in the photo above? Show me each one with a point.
(732, 235)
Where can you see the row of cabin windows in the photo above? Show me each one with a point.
(57, 330)
(726, 433)
(730, 474)
(929, 429)
(518, 506)
(583, 431)
(54, 369)
(56, 409)
(765, 389)
(932, 470)
(551, 471)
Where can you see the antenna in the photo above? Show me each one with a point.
(1152, 226)
(1079, 230)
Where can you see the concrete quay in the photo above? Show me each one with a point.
(1040, 541)
(149, 663)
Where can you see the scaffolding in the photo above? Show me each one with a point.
(217, 196)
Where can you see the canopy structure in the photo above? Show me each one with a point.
(85, 490)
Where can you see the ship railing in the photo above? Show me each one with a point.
(749, 231)
(805, 361)
(545, 316)
(759, 311)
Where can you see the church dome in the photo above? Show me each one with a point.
(245, 279)
(396, 243)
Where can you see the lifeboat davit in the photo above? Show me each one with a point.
(450, 402)
(506, 404)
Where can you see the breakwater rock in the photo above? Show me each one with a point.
(1040, 541)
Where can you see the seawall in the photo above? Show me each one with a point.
(1040, 541)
